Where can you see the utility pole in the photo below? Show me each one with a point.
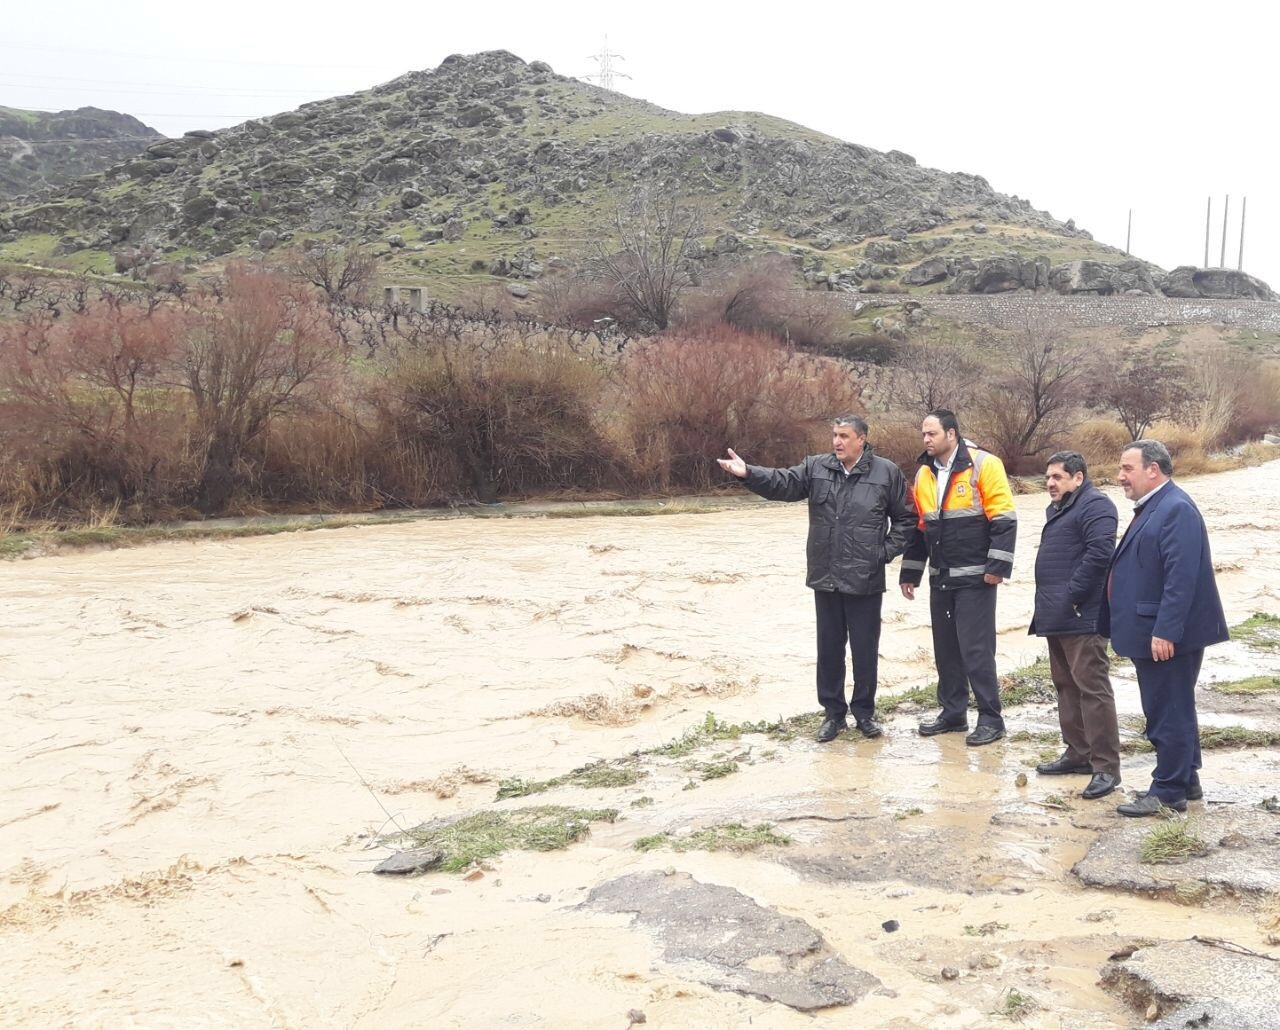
(1128, 233)
(1226, 206)
(606, 71)
(1208, 213)
(1244, 204)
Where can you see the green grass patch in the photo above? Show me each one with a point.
(712, 730)
(477, 837)
(595, 775)
(911, 700)
(1049, 737)
(985, 930)
(642, 802)
(908, 813)
(723, 837)
(717, 770)
(1016, 1006)
(1249, 685)
(1032, 684)
(1258, 630)
(1211, 738)
(1171, 841)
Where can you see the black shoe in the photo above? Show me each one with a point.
(830, 729)
(1061, 767)
(869, 727)
(984, 735)
(1100, 786)
(940, 725)
(1194, 793)
(1149, 804)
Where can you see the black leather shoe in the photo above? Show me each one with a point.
(830, 729)
(1100, 786)
(869, 727)
(1194, 793)
(1061, 767)
(1149, 804)
(984, 735)
(939, 725)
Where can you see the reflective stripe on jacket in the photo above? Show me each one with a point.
(971, 533)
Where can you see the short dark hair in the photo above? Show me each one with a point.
(1153, 453)
(1071, 462)
(855, 422)
(947, 419)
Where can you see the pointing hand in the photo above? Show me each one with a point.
(734, 465)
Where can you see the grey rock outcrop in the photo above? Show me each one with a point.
(1250, 869)
(1216, 283)
(931, 270)
(1101, 278)
(1198, 983)
(720, 937)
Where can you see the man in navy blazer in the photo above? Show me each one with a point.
(1161, 609)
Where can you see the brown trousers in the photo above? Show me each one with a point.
(1086, 705)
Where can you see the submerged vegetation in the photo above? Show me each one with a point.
(474, 838)
(722, 837)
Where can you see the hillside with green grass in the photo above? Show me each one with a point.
(42, 149)
(489, 165)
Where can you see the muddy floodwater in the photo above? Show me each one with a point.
(202, 742)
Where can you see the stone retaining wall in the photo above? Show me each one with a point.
(1010, 311)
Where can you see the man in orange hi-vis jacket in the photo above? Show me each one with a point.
(965, 531)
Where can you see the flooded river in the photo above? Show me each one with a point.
(201, 741)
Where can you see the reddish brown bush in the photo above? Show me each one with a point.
(689, 395)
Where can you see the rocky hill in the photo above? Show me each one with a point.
(42, 148)
(489, 165)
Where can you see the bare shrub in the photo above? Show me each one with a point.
(689, 395)
(750, 295)
(1231, 397)
(578, 303)
(939, 371)
(1029, 402)
(898, 438)
(506, 417)
(85, 399)
(249, 356)
(1100, 441)
(1141, 385)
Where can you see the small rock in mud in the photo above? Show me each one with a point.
(984, 960)
(950, 973)
(889, 925)
(410, 863)
(475, 874)
(1191, 892)
(1102, 915)
(543, 898)
(1020, 780)
(1234, 840)
(636, 1016)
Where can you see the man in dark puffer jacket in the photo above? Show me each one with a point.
(858, 522)
(1076, 544)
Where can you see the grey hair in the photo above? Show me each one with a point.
(1071, 462)
(1153, 453)
(855, 422)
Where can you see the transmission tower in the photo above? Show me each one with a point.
(605, 71)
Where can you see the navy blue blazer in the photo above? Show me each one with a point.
(1161, 580)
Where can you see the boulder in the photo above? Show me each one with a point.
(931, 270)
(455, 229)
(998, 274)
(410, 199)
(1215, 283)
(476, 114)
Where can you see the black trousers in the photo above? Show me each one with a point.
(1168, 692)
(964, 650)
(853, 619)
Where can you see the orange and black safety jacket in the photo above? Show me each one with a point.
(968, 533)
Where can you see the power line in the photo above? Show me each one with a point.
(182, 57)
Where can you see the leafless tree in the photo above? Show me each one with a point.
(343, 273)
(1140, 384)
(649, 258)
(937, 372)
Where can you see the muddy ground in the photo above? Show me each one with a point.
(205, 744)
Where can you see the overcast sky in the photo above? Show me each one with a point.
(1086, 109)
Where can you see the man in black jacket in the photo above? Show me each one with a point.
(1076, 545)
(858, 521)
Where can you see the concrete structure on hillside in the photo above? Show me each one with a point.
(412, 297)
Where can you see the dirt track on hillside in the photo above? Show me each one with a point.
(202, 740)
